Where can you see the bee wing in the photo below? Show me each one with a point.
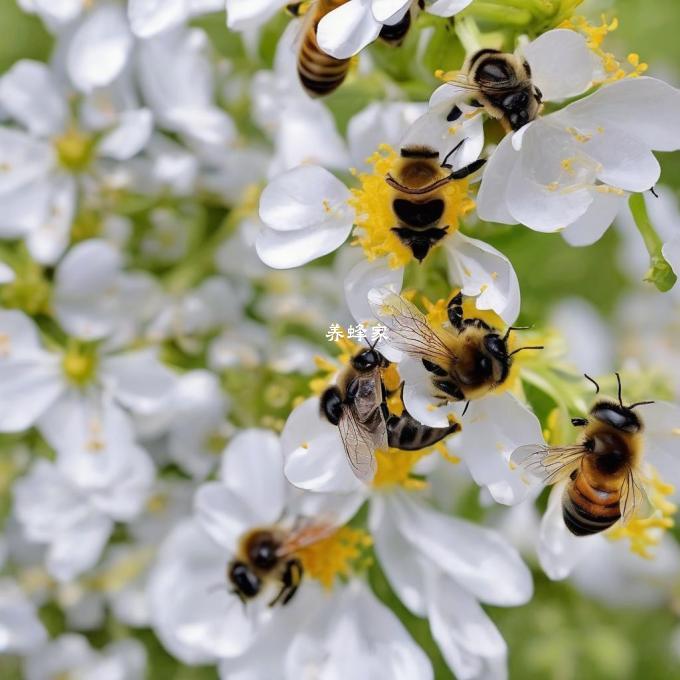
(634, 499)
(368, 395)
(304, 534)
(409, 329)
(361, 439)
(549, 464)
(494, 87)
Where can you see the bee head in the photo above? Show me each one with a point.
(246, 583)
(367, 360)
(494, 362)
(262, 550)
(616, 416)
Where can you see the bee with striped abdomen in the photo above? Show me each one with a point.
(602, 470)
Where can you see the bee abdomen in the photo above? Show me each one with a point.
(320, 74)
(395, 34)
(406, 433)
(587, 510)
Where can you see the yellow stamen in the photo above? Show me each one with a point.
(340, 555)
(75, 149)
(80, 365)
(375, 219)
(646, 532)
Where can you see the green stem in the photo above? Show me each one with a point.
(660, 272)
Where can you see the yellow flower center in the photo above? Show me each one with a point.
(375, 218)
(395, 467)
(595, 36)
(338, 556)
(646, 532)
(80, 365)
(75, 149)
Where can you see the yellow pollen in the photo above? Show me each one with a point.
(568, 166)
(646, 532)
(395, 469)
(95, 443)
(338, 556)
(326, 205)
(157, 503)
(375, 219)
(79, 365)
(578, 136)
(75, 149)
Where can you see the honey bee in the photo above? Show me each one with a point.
(502, 85)
(466, 362)
(268, 556)
(418, 205)
(602, 469)
(356, 404)
(319, 73)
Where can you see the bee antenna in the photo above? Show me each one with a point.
(514, 328)
(640, 403)
(523, 348)
(597, 387)
(450, 153)
(618, 380)
(465, 409)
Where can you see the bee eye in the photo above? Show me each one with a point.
(484, 365)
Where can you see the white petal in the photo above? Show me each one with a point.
(129, 137)
(23, 159)
(624, 105)
(346, 30)
(447, 8)
(148, 17)
(223, 514)
(592, 225)
(252, 467)
(138, 379)
(562, 64)
(466, 636)
(244, 15)
(99, 49)
(491, 203)
(365, 276)
(483, 271)
(493, 427)
(21, 631)
(379, 123)
(384, 9)
(28, 92)
(662, 428)
(7, 274)
(397, 558)
(558, 549)
(25, 208)
(314, 455)
(49, 240)
(479, 559)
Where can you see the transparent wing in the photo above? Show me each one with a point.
(493, 87)
(305, 533)
(549, 464)
(368, 395)
(360, 440)
(410, 331)
(634, 499)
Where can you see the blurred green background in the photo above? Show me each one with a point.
(560, 635)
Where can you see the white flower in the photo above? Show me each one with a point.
(353, 25)
(177, 80)
(302, 129)
(439, 566)
(149, 17)
(354, 635)
(75, 398)
(559, 550)
(194, 610)
(571, 170)
(21, 630)
(55, 13)
(75, 523)
(92, 293)
(43, 166)
(70, 655)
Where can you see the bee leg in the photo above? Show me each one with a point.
(450, 388)
(292, 577)
(468, 169)
(579, 422)
(455, 311)
(434, 369)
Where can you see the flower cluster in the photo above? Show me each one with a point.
(191, 473)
